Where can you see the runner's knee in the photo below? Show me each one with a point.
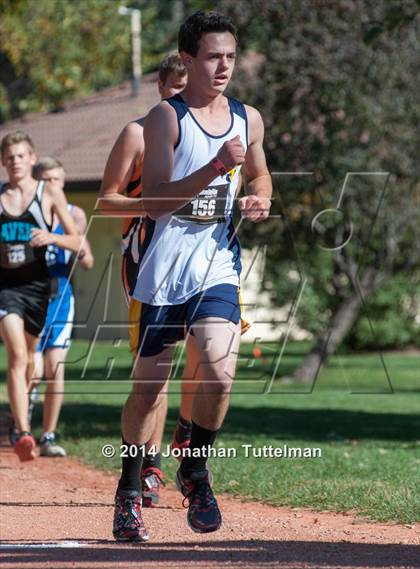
(146, 401)
(18, 356)
(217, 383)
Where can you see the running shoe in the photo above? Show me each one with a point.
(25, 446)
(151, 483)
(203, 512)
(49, 446)
(128, 523)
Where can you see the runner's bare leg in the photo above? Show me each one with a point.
(54, 394)
(218, 342)
(13, 335)
(140, 412)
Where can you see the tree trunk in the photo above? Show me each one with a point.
(339, 325)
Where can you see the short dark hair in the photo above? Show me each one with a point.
(200, 23)
(171, 64)
(16, 138)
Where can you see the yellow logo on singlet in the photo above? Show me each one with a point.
(230, 175)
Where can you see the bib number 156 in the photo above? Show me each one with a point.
(203, 207)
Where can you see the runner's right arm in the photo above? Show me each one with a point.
(85, 257)
(128, 148)
(160, 135)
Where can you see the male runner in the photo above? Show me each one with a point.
(189, 270)
(26, 211)
(54, 342)
(123, 175)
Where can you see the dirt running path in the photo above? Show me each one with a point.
(57, 513)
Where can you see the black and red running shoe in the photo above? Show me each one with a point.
(128, 522)
(151, 483)
(203, 512)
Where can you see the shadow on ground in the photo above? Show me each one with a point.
(239, 553)
(89, 420)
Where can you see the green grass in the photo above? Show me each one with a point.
(363, 413)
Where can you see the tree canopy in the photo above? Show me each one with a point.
(340, 105)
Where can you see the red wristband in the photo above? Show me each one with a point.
(220, 167)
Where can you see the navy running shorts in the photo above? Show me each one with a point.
(163, 326)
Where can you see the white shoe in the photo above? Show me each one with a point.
(48, 446)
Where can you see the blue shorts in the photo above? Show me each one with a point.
(163, 326)
(59, 323)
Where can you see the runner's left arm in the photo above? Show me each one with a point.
(255, 206)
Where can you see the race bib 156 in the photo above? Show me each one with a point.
(208, 207)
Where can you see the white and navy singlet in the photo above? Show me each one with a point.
(196, 247)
